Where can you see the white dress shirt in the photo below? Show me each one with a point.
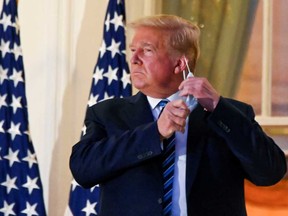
(179, 204)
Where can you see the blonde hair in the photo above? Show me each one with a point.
(183, 35)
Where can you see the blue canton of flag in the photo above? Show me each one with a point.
(111, 78)
(20, 185)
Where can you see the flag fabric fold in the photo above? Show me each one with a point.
(111, 78)
(21, 190)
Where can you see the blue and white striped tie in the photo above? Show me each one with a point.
(168, 173)
(168, 168)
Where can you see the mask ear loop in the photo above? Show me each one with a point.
(190, 74)
(184, 74)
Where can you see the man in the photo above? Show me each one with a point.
(217, 145)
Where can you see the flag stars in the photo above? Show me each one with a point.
(7, 209)
(117, 21)
(31, 184)
(12, 157)
(98, 75)
(84, 128)
(14, 130)
(9, 183)
(31, 158)
(4, 47)
(111, 74)
(107, 22)
(93, 188)
(102, 49)
(123, 52)
(16, 103)
(30, 209)
(17, 50)
(106, 96)
(7, 2)
(17, 77)
(74, 184)
(3, 74)
(6, 21)
(28, 134)
(92, 99)
(3, 100)
(1, 126)
(20, 182)
(125, 78)
(114, 48)
(90, 208)
(16, 25)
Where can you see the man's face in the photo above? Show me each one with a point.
(152, 66)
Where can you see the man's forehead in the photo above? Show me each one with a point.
(149, 37)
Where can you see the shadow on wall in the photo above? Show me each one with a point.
(74, 104)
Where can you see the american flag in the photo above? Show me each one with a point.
(111, 78)
(20, 185)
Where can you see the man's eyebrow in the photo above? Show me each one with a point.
(143, 44)
(148, 44)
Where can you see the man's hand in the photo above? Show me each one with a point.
(173, 118)
(201, 89)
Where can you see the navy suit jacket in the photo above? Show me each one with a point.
(121, 151)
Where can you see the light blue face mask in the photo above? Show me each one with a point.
(191, 102)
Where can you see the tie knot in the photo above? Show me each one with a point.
(163, 103)
(161, 106)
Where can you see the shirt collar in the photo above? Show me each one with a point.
(154, 101)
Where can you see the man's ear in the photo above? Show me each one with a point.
(180, 65)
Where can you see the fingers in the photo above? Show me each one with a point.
(201, 89)
(173, 118)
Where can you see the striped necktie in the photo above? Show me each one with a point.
(168, 168)
(168, 173)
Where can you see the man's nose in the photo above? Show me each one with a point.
(135, 58)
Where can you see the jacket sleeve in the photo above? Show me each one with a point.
(262, 160)
(107, 149)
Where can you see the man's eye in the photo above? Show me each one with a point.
(147, 50)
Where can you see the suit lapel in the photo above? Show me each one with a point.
(138, 111)
(195, 144)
